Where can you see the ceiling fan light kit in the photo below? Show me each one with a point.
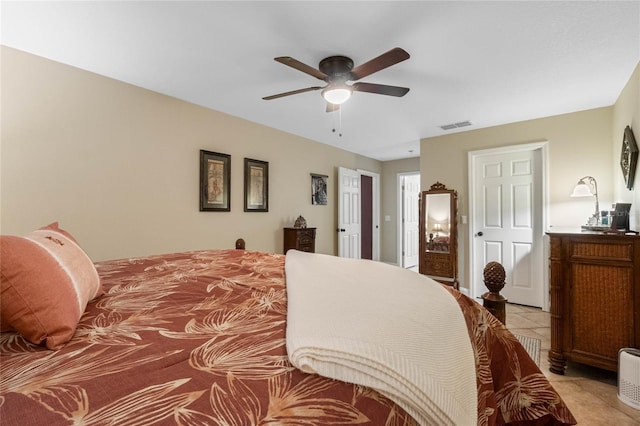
(336, 94)
(337, 70)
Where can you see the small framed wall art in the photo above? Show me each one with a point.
(215, 182)
(629, 157)
(319, 189)
(256, 185)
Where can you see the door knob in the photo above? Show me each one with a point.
(479, 234)
(341, 230)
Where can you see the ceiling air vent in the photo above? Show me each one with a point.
(456, 125)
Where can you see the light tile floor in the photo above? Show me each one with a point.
(590, 393)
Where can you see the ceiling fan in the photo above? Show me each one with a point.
(337, 70)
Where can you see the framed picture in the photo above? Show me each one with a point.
(215, 182)
(256, 185)
(620, 217)
(318, 189)
(629, 157)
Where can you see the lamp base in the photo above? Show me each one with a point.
(594, 220)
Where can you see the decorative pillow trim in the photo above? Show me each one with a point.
(75, 263)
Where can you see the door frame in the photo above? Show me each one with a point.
(400, 215)
(375, 213)
(543, 146)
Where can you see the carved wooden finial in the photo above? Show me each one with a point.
(494, 276)
(438, 187)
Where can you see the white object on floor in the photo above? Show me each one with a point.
(629, 376)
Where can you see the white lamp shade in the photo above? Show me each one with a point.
(336, 94)
(582, 190)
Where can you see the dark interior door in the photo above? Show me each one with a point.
(366, 219)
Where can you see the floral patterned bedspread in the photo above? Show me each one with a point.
(198, 338)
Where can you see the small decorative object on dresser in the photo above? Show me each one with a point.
(300, 222)
(256, 185)
(629, 157)
(303, 239)
(620, 217)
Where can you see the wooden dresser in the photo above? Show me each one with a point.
(303, 239)
(595, 297)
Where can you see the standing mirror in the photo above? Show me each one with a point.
(439, 234)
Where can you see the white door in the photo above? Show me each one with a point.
(507, 223)
(410, 194)
(348, 213)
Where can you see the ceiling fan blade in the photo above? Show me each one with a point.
(332, 107)
(294, 63)
(293, 92)
(383, 61)
(380, 89)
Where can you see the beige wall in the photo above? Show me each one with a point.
(390, 200)
(579, 144)
(118, 166)
(626, 112)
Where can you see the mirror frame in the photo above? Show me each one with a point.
(441, 266)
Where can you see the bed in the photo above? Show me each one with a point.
(199, 338)
(440, 244)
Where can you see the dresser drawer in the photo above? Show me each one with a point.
(303, 239)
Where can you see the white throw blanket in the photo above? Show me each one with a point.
(384, 327)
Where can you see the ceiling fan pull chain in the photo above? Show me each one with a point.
(339, 123)
(333, 117)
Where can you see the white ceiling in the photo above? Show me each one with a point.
(487, 62)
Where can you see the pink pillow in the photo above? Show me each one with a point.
(46, 282)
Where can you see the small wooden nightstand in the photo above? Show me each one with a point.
(303, 239)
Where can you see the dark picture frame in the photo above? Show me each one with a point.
(256, 185)
(629, 157)
(620, 217)
(215, 182)
(319, 189)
